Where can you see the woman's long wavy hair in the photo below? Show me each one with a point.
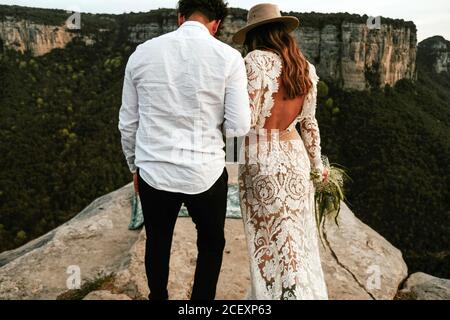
(275, 37)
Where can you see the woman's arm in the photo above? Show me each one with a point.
(309, 128)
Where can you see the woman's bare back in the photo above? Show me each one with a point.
(284, 110)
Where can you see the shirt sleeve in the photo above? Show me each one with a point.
(309, 128)
(129, 118)
(237, 111)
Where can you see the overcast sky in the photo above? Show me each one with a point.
(432, 17)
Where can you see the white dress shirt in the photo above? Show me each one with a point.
(181, 92)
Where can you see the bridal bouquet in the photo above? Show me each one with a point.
(328, 193)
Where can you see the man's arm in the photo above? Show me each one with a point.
(129, 119)
(237, 105)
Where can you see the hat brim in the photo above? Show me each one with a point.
(291, 22)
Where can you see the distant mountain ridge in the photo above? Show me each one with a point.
(434, 53)
(341, 45)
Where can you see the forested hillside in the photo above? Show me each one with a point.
(395, 143)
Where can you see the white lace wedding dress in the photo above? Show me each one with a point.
(276, 193)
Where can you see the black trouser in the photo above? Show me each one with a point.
(208, 210)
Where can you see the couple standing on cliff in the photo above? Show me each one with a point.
(183, 93)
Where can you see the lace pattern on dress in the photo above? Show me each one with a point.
(263, 71)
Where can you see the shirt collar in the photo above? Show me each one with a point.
(195, 24)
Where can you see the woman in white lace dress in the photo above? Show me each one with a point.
(276, 192)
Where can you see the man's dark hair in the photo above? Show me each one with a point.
(212, 9)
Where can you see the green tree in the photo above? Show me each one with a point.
(322, 89)
(21, 236)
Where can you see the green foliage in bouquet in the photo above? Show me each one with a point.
(329, 192)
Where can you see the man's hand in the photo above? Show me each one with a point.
(135, 182)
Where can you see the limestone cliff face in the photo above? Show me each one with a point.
(347, 53)
(23, 35)
(142, 32)
(341, 46)
(357, 57)
(434, 53)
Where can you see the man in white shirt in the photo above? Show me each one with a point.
(182, 91)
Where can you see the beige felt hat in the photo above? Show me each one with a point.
(262, 14)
